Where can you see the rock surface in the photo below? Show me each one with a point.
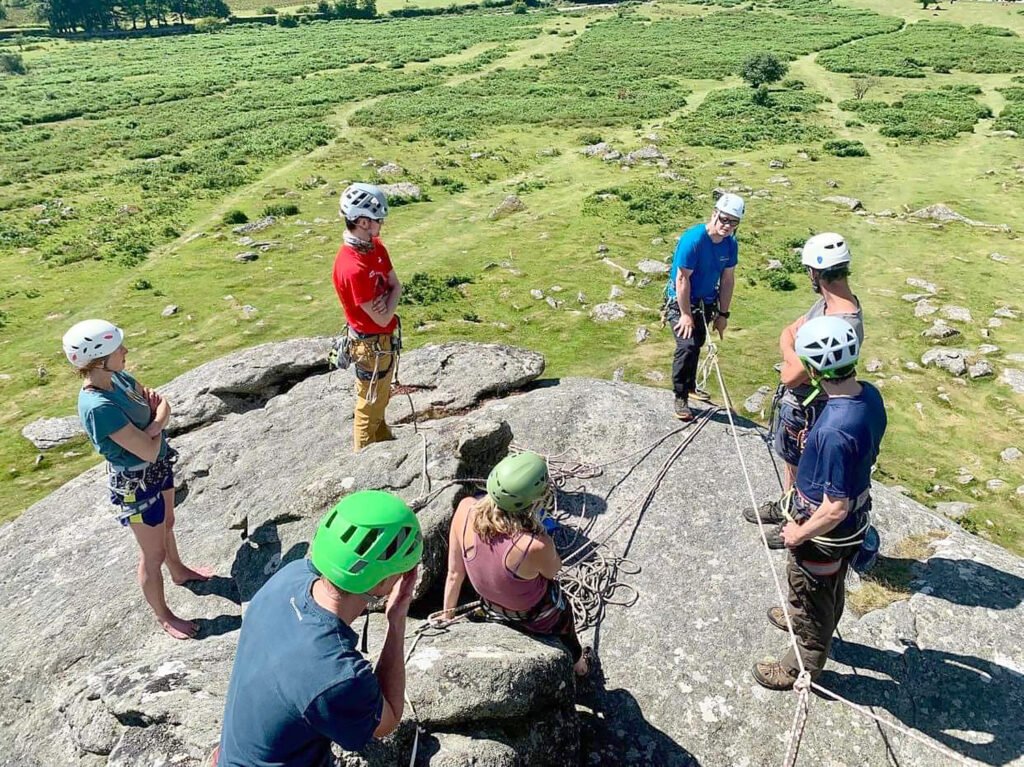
(47, 433)
(89, 681)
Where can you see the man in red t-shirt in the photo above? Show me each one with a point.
(369, 291)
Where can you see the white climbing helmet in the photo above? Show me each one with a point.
(731, 205)
(824, 251)
(827, 345)
(363, 200)
(90, 340)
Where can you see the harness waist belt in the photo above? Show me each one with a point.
(821, 569)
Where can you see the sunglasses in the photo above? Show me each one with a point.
(728, 221)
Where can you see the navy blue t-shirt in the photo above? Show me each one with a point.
(842, 446)
(298, 682)
(706, 259)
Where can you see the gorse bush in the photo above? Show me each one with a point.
(846, 148)
(12, 64)
(929, 44)
(279, 209)
(924, 115)
(644, 202)
(423, 289)
(733, 117)
(235, 217)
(1012, 116)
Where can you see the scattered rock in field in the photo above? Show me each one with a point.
(556, 288)
(980, 369)
(988, 349)
(644, 154)
(608, 312)
(885, 213)
(782, 180)
(550, 301)
(654, 375)
(652, 138)
(1015, 357)
(403, 191)
(642, 334)
(255, 226)
(246, 256)
(953, 361)
(537, 293)
(999, 257)
(650, 266)
(831, 183)
(945, 214)
(995, 485)
(581, 297)
(615, 292)
(657, 241)
(46, 433)
(1014, 379)
(644, 282)
(727, 163)
(963, 476)
(954, 509)
(245, 241)
(1011, 454)
(994, 322)
(602, 248)
(1005, 312)
(913, 298)
(389, 170)
(618, 375)
(873, 366)
(924, 308)
(128, 210)
(927, 287)
(762, 194)
(957, 313)
(1004, 133)
(911, 365)
(169, 310)
(850, 203)
(372, 162)
(776, 165)
(755, 402)
(601, 149)
(671, 175)
(511, 204)
(248, 310)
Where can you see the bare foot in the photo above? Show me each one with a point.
(187, 574)
(179, 628)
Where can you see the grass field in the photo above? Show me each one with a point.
(149, 155)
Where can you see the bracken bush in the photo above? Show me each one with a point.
(1012, 116)
(924, 115)
(643, 202)
(846, 148)
(423, 289)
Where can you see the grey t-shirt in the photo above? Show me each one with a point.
(818, 310)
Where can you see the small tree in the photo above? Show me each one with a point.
(861, 86)
(12, 64)
(763, 68)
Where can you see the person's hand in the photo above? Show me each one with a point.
(153, 398)
(380, 304)
(791, 535)
(684, 328)
(721, 323)
(401, 595)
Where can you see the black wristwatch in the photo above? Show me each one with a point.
(723, 314)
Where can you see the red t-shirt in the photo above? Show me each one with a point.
(359, 278)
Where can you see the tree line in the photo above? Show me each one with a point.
(67, 16)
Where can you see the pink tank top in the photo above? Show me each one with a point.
(487, 571)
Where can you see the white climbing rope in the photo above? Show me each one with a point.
(804, 684)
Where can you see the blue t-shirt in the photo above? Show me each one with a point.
(706, 259)
(842, 446)
(298, 682)
(104, 412)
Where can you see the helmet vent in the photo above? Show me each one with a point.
(368, 540)
(357, 566)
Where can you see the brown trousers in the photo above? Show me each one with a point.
(375, 367)
(815, 605)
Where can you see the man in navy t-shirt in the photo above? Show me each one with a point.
(699, 292)
(299, 682)
(831, 500)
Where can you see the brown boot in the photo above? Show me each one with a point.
(772, 675)
(682, 409)
(777, 618)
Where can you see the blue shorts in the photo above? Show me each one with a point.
(153, 516)
(794, 422)
(145, 489)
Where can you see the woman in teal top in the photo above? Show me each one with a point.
(125, 422)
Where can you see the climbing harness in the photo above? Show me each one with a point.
(134, 491)
(342, 355)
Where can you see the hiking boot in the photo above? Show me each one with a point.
(774, 537)
(702, 394)
(682, 409)
(772, 675)
(777, 618)
(769, 512)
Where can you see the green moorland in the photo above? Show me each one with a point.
(120, 159)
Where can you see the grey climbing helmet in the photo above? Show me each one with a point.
(363, 200)
(517, 481)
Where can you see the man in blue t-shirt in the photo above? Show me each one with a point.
(299, 682)
(699, 292)
(831, 500)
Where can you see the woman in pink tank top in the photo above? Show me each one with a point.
(498, 541)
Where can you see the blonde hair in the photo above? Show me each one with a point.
(490, 522)
(95, 364)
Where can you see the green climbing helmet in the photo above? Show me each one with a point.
(517, 481)
(367, 537)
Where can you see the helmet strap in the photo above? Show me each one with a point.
(815, 279)
(816, 389)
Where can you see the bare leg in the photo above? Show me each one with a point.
(179, 572)
(151, 579)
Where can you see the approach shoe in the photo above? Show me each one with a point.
(777, 618)
(702, 394)
(774, 537)
(682, 409)
(769, 512)
(772, 675)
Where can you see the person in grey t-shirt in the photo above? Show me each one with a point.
(827, 259)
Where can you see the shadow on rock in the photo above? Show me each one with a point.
(259, 557)
(964, 702)
(222, 624)
(218, 586)
(960, 581)
(615, 731)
